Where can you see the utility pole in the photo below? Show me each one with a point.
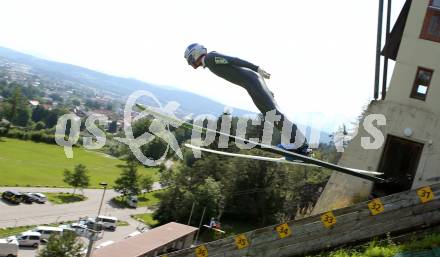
(378, 48)
(385, 61)
(190, 215)
(93, 235)
(200, 225)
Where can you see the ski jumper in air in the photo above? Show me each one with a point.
(250, 77)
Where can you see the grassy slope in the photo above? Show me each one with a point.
(386, 248)
(27, 163)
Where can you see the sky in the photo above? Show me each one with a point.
(320, 53)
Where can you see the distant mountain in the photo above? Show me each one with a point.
(78, 77)
(116, 86)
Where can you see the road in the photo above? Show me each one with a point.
(35, 214)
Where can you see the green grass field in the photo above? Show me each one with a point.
(146, 218)
(26, 163)
(64, 198)
(150, 199)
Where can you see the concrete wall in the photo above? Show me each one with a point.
(181, 243)
(188, 240)
(343, 190)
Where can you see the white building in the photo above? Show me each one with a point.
(410, 155)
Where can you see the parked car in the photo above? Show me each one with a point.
(28, 238)
(132, 201)
(91, 224)
(107, 222)
(46, 231)
(28, 198)
(79, 229)
(40, 198)
(8, 247)
(12, 197)
(102, 222)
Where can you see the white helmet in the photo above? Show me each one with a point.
(193, 52)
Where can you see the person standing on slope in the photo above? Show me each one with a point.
(245, 74)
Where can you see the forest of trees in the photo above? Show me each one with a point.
(256, 192)
(237, 189)
(33, 123)
(260, 192)
(16, 109)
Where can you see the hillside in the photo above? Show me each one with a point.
(78, 77)
(25, 163)
(26, 68)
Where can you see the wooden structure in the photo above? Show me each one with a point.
(396, 214)
(169, 237)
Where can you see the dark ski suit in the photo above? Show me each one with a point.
(245, 74)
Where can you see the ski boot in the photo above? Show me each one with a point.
(303, 150)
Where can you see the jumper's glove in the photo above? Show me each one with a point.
(263, 73)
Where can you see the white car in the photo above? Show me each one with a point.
(80, 229)
(41, 198)
(28, 238)
(46, 231)
(8, 247)
(105, 222)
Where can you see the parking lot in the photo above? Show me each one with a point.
(117, 235)
(36, 214)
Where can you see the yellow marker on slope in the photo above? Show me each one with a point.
(376, 206)
(328, 219)
(425, 194)
(201, 251)
(241, 241)
(283, 230)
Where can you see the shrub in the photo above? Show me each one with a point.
(36, 136)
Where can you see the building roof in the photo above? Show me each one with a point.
(392, 44)
(47, 106)
(34, 102)
(145, 242)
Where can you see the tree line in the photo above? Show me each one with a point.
(18, 120)
(258, 192)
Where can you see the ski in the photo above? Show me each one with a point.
(247, 156)
(270, 159)
(158, 113)
(215, 229)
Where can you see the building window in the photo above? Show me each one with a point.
(421, 84)
(431, 26)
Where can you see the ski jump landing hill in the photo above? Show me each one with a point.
(413, 211)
